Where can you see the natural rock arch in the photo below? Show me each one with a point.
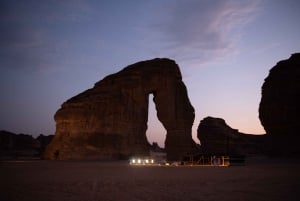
(109, 121)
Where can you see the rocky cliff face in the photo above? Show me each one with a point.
(217, 138)
(279, 108)
(109, 121)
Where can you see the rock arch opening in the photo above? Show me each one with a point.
(155, 133)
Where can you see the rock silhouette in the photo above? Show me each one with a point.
(279, 108)
(16, 146)
(109, 121)
(217, 138)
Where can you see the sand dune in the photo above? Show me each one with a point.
(262, 179)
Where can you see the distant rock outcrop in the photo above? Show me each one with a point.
(217, 138)
(279, 109)
(14, 146)
(109, 121)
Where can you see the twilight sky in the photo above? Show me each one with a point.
(52, 50)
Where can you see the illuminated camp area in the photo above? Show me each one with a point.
(190, 160)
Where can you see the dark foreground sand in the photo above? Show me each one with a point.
(259, 179)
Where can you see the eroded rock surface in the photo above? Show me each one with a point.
(109, 121)
(217, 138)
(279, 108)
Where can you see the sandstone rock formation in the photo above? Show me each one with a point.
(217, 138)
(279, 108)
(15, 146)
(109, 121)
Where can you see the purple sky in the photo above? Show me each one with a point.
(52, 50)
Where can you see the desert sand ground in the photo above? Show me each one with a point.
(260, 179)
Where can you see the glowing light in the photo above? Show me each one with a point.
(142, 161)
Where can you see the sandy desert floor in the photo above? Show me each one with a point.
(260, 179)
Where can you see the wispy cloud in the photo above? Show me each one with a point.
(203, 30)
(35, 35)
